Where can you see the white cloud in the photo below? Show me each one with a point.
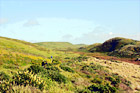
(92, 37)
(46, 29)
(110, 33)
(3, 21)
(67, 38)
(31, 23)
(62, 29)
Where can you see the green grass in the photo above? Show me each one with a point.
(20, 67)
(118, 46)
(60, 45)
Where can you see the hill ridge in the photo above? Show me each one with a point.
(116, 46)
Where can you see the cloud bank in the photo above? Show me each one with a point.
(3, 21)
(31, 23)
(61, 29)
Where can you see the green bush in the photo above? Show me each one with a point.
(92, 68)
(56, 62)
(102, 88)
(52, 68)
(10, 67)
(97, 80)
(58, 77)
(88, 76)
(65, 68)
(4, 82)
(126, 82)
(49, 72)
(80, 58)
(48, 64)
(67, 57)
(115, 80)
(25, 78)
(85, 91)
(110, 78)
(4, 86)
(35, 69)
(4, 76)
(21, 78)
(55, 75)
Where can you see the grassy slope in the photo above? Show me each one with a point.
(130, 71)
(68, 73)
(118, 46)
(19, 53)
(59, 45)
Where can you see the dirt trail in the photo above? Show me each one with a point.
(106, 57)
(127, 70)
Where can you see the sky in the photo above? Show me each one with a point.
(75, 21)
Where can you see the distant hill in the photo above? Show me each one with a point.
(60, 45)
(118, 46)
(18, 52)
(19, 46)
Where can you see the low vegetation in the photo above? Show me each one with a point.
(64, 72)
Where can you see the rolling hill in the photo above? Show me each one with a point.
(21, 70)
(18, 53)
(118, 46)
(60, 45)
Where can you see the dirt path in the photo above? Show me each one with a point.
(106, 57)
(127, 70)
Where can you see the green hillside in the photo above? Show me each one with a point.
(19, 53)
(118, 46)
(59, 45)
(93, 47)
(21, 70)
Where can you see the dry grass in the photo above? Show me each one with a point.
(127, 70)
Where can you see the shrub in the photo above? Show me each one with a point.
(55, 75)
(49, 64)
(65, 68)
(4, 76)
(25, 78)
(126, 82)
(4, 82)
(67, 57)
(50, 72)
(10, 67)
(58, 77)
(110, 78)
(35, 69)
(102, 88)
(4, 86)
(88, 76)
(92, 68)
(97, 80)
(21, 78)
(85, 91)
(114, 80)
(80, 58)
(52, 68)
(56, 62)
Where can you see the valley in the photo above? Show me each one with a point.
(65, 71)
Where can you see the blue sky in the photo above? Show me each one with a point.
(75, 21)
